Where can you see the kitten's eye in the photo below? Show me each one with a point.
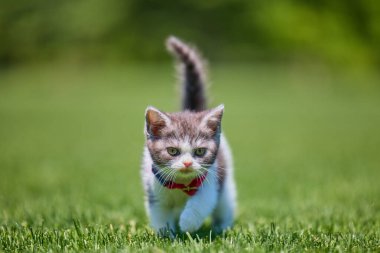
(173, 151)
(200, 152)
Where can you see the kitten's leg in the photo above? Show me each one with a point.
(162, 220)
(198, 207)
(223, 215)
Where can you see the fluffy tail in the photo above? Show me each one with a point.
(192, 75)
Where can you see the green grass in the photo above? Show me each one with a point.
(306, 148)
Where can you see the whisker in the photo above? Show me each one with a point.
(161, 185)
(213, 174)
(204, 170)
(168, 175)
(164, 176)
(171, 177)
(198, 176)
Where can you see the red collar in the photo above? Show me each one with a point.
(189, 189)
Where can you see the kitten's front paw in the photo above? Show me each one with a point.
(189, 222)
(166, 233)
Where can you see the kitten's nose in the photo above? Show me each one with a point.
(187, 163)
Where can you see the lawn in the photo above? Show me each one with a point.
(305, 142)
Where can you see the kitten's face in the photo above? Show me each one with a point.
(183, 145)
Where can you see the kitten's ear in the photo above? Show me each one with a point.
(155, 121)
(213, 119)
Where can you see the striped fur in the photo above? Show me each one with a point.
(191, 72)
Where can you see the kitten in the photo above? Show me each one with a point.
(187, 166)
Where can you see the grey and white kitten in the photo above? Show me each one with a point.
(187, 167)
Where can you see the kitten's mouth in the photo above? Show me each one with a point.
(186, 170)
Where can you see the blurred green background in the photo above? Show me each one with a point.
(340, 33)
(301, 90)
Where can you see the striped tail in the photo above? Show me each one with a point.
(192, 74)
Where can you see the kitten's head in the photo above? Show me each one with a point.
(183, 145)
